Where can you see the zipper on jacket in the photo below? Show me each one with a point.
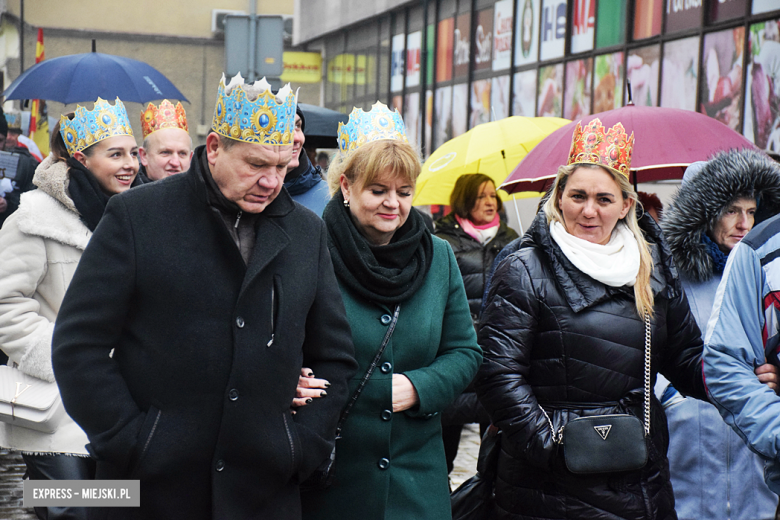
(273, 326)
(238, 219)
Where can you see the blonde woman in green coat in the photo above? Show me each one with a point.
(390, 460)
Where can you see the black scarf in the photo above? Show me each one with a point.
(386, 274)
(88, 197)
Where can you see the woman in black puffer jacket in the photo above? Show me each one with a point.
(476, 235)
(569, 341)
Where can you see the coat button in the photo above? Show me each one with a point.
(386, 367)
(383, 463)
(386, 319)
(240, 322)
(220, 465)
(233, 394)
(387, 415)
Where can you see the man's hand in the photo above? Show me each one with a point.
(3, 205)
(404, 394)
(767, 374)
(309, 388)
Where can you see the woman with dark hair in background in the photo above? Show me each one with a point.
(40, 247)
(476, 235)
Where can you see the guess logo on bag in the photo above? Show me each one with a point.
(603, 431)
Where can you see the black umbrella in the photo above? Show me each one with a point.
(322, 126)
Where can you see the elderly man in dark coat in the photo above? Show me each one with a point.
(179, 344)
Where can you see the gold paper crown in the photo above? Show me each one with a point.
(364, 127)
(253, 114)
(90, 127)
(166, 116)
(611, 149)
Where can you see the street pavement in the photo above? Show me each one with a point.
(12, 470)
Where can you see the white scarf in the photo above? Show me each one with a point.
(615, 264)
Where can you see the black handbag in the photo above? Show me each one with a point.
(322, 477)
(607, 443)
(473, 500)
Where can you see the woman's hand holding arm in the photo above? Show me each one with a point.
(404, 394)
(309, 387)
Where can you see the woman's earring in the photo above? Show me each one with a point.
(346, 203)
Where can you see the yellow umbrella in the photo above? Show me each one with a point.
(493, 148)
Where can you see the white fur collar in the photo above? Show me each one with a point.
(40, 214)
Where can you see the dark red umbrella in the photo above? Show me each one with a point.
(666, 141)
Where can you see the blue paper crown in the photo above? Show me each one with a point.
(364, 127)
(90, 127)
(253, 114)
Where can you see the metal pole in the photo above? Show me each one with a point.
(21, 36)
(252, 40)
(517, 212)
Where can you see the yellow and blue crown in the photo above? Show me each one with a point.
(364, 127)
(90, 127)
(253, 114)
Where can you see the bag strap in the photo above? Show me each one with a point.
(557, 437)
(367, 376)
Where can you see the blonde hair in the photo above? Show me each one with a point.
(363, 165)
(643, 294)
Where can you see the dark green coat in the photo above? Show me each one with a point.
(435, 346)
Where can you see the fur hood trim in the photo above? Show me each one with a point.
(40, 214)
(699, 203)
(51, 176)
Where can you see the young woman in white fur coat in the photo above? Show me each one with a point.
(40, 247)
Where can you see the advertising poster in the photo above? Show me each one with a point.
(550, 91)
(682, 14)
(499, 98)
(430, 41)
(553, 29)
(462, 45)
(524, 94)
(728, 9)
(680, 73)
(503, 22)
(460, 109)
(647, 18)
(428, 122)
(582, 25)
(642, 71)
(576, 101)
(397, 64)
(527, 32)
(608, 81)
(483, 40)
(762, 90)
(397, 104)
(443, 132)
(413, 42)
(610, 20)
(444, 49)
(480, 102)
(721, 85)
(412, 118)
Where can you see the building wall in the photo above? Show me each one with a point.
(319, 17)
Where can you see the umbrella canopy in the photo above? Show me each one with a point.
(491, 148)
(79, 78)
(322, 125)
(666, 141)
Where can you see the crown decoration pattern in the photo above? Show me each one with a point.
(165, 116)
(611, 148)
(364, 127)
(253, 114)
(89, 127)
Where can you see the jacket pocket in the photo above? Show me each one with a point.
(294, 442)
(145, 437)
(276, 295)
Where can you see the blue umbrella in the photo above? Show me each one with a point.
(85, 77)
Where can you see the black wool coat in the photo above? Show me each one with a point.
(195, 399)
(474, 259)
(554, 336)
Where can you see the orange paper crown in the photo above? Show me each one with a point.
(611, 149)
(167, 116)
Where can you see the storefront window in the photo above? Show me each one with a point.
(608, 81)
(483, 40)
(679, 74)
(550, 102)
(582, 24)
(553, 29)
(611, 24)
(527, 32)
(642, 74)
(578, 88)
(524, 94)
(462, 55)
(503, 22)
(647, 18)
(762, 90)
(721, 84)
(682, 15)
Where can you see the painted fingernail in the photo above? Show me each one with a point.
(294, 412)
(309, 400)
(323, 394)
(327, 385)
(310, 374)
